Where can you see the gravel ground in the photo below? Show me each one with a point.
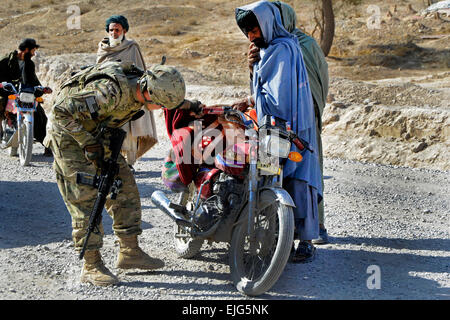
(393, 218)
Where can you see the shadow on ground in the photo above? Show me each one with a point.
(33, 213)
(402, 276)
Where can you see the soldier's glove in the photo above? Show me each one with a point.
(95, 154)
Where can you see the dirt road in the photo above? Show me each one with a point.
(389, 229)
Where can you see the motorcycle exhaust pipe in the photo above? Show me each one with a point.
(160, 200)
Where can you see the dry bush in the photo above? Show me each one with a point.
(193, 22)
(191, 39)
(42, 36)
(168, 30)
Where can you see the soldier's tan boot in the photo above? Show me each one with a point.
(132, 257)
(95, 272)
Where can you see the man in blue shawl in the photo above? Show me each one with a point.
(280, 88)
(317, 68)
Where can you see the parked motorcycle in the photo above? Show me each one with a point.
(17, 127)
(238, 198)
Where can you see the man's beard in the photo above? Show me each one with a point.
(27, 56)
(260, 43)
(115, 42)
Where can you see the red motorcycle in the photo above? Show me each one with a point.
(17, 127)
(236, 196)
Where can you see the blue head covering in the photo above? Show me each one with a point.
(117, 19)
(281, 88)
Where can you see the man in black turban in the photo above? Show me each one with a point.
(117, 19)
(141, 133)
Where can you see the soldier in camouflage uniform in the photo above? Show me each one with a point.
(105, 95)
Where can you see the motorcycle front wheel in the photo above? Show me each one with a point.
(186, 247)
(7, 137)
(25, 129)
(256, 265)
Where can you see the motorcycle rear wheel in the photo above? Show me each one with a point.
(255, 273)
(25, 129)
(186, 247)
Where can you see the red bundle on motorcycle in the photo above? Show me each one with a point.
(181, 136)
(171, 177)
(205, 174)
(179, 119)
(11, 106)
(233, 160)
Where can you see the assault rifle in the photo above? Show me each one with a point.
(106, 183)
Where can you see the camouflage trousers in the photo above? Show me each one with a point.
(125, 210)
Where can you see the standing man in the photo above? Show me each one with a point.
(105, 95)
(280, 88)
(317, 68)
(18, 68)
(141, 133)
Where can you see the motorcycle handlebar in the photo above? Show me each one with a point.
(226, 110)
(10, 87)
(300, 143)
(217, 109)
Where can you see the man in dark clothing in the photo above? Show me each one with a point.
(18, 68)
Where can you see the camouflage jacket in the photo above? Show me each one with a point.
(102, 95)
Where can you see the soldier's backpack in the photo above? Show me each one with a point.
(118, 71)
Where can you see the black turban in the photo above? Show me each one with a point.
(117, 19)
(246, 20)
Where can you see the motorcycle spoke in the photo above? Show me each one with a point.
(258, 259)
(255, 264)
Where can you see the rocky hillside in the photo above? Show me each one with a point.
(389, 87)
(403, 121)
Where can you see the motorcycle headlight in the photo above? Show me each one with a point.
(26, 97)
(276, 146)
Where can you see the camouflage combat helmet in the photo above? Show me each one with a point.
(165, 85)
